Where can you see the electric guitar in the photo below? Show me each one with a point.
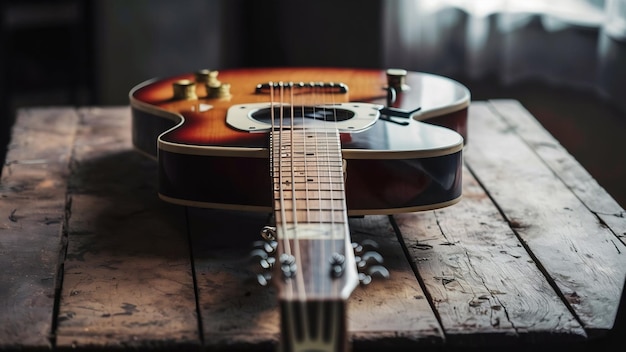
(312, 146)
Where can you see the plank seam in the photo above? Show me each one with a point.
(420, 280)
(513, 226)
(64, 240)
(58, 287)
(196, 289)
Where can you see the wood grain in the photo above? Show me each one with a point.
(583, 257)
(532, 256)
(394, 312)
(127, 275)
(237, 312)
(32, 212)
(564, 165)
(483, 283)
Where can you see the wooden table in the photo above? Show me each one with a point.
(533, 256)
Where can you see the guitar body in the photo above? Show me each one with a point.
(318, 146)
(389, 167)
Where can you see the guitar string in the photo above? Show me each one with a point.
(277, 154)
(332, 135)
(294, 229)
(299, 279)
(305, 150)
(282, 133)
(323, 156)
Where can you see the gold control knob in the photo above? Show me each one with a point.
(221, 90)
(206, 76)
(396, 79)
(184, 89)
(214, 88)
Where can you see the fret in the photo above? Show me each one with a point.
(312, 194)
(309, 216)
(302, 165)
(319, 148)
(327, 156)
(310, 159)
(315, 147)
(313, 204)
(308, 177)
(333, 235)
(315, 173)
(321, 166)
(304, 184)
(326, 144)
(313, 154)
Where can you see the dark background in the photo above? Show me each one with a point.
(73, 52)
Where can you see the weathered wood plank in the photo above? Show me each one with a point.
(237, 312)
(127, 274)
(486, 288)
(581, 255)
(32, 212)
(565, 166)
(128, 279)
(390, 313)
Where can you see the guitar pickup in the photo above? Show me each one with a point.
(325, 87)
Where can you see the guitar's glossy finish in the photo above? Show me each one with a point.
(218, 152)
(390, 167)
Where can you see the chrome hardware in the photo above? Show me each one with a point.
(396, 84)
(263, 278)
(267, 263)
(268, 233)
(258, 254)
(376, 271)
(337, 265)
(262, 255)
(268, 246)
(396, 79)
(368, 258)
(369, 262)
(364, 246)
(326, 87)
(288, 265)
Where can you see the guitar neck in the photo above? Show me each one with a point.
(315, 260)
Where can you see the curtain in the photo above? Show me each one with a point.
(579, 43)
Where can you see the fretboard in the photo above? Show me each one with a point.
(308, 177)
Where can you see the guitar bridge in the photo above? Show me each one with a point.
(322, 87)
